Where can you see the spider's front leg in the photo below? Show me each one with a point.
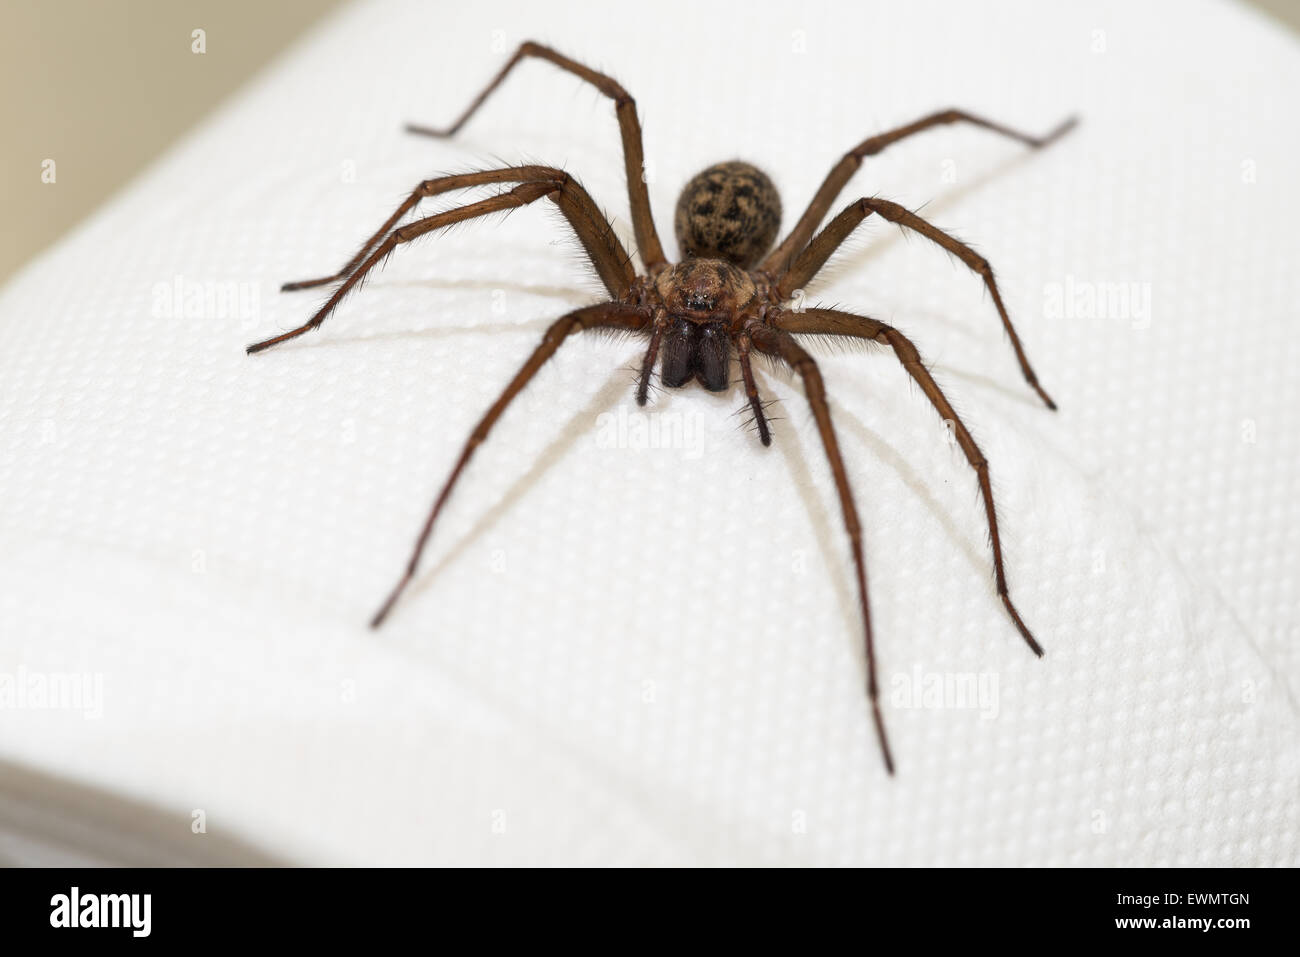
(609, 315)
(774, 341)
(657, 330)
(833, 322)
(743, 346)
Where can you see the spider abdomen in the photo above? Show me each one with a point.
(729, 211)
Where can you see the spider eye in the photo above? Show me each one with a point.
(730, 211)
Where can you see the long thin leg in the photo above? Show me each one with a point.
(843, 171)
(814, 256)
(648, 363)
(609, 314)
(776, 342)
(428, 188)
(743, 345)
(643, 223)
(445, 184)
(607, 254)
(833, 322)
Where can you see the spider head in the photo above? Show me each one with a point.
(705, 298)
(705, 289)
(730, 211)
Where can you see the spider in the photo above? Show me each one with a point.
(724, 295)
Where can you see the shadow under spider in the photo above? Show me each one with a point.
(802, 478)
(572, 296)
(569, 293)
(429, 332)
(577, 426)
(797, 467)
(992, 385)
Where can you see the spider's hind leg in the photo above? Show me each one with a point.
(643, 223)
(781, 257)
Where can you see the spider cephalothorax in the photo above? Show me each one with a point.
(728, 296)
(703, 301)
(705, 289)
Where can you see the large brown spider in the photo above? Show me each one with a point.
(718, 297)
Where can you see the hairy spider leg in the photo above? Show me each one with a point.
(814, 256)
(604, 315)
(426, 189)
(652, 351)
(603, 248)
(743, 346)
(443, 184)
(843, 171)
(833, 322)
(643, 223)
(779, 343)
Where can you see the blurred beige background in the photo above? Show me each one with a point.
(101, 88)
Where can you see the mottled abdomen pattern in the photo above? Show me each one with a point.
(730, 211)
